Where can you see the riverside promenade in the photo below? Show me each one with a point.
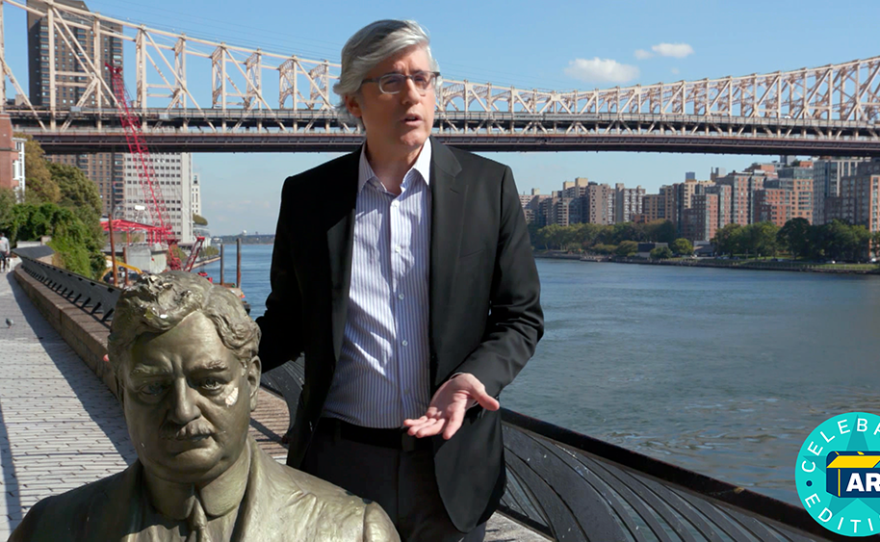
(61, 427)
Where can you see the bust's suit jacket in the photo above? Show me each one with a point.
(485, 316)
(279, 505)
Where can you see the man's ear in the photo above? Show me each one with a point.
(353, 105)
(255, 369)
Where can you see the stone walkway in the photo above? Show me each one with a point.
(60, 427)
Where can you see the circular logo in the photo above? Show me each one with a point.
(838, 474)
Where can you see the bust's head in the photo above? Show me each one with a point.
(184, 352)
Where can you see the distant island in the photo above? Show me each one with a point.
(246, 239)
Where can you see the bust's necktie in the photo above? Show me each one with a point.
(198, 523)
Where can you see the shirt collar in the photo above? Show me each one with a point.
(422, 166)
(219, 497)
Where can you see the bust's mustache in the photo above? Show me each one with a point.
(193, 430)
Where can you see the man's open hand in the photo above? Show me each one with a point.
(447, 408)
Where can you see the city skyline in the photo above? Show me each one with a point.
(690, 42)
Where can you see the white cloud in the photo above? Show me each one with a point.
(641, 54)
(601, 70)
(676, 50)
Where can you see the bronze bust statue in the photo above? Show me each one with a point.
(184, 353)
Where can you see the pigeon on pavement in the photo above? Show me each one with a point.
(9, 322)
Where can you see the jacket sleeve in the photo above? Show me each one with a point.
(516, 321)
(281, 325)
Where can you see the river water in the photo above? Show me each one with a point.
(721, 371)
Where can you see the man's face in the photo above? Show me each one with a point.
(188, 402)
(397, 123)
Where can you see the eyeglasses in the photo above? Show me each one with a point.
(392, 83)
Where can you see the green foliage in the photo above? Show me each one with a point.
(627, 248)
(70, 237)
(604, 249)
(794, 236)
(726, 240)
(38, 179)
(199, 220)
(210, 252)
(836, 240)
(682, 247)
(590, 236)
(7, 202)
(661, 253)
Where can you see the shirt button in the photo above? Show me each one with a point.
(403, 342)
(397, 250)
(400, 296)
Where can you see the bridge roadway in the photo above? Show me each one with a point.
(60, 427)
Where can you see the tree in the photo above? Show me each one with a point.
(627, 248)
(727, 239)
(76, 191)
(199, 220)
(661, 231)
(682, 247)
(69, 236)
(40, 186)
(795, 236)
(760, 238)
(661, 253)
(7, 202)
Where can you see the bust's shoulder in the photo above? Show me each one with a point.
(70, 515)
(317, 505)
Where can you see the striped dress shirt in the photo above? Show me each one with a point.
(382, 376)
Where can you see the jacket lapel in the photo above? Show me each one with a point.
(340, 236)
(448, 193)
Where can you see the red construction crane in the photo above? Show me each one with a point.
(153, 199)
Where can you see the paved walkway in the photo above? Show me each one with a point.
(60, 427)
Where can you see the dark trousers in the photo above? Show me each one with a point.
(402, 482)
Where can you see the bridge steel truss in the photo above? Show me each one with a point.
(830, 110)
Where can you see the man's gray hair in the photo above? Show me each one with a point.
(158, 303)
(371, 45)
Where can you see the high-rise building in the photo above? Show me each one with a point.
(196, 195)
(51, 60)
(628, 203)
(774, 205)
(827, 173)
(654, 207)
(598, 204)
(700, 220)
(859, 200)
(174, 179)
(743, 187)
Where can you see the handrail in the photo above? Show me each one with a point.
(90, 294)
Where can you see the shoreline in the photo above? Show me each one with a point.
(750, 265)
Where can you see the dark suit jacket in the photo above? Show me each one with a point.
(485, 315)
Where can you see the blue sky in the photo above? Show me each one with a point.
(560, 45)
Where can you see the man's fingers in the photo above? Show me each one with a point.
(487, 401)
(454, 423)
(430, 429)
(411, 423)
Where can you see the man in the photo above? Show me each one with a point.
(4, 252)
(185, 356)
(404, 273)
